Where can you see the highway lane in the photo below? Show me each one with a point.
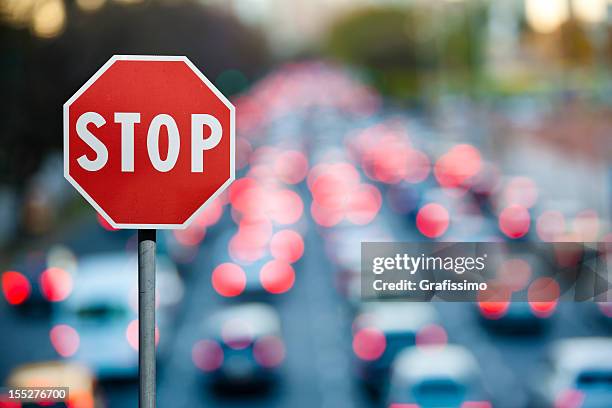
(316, 321)
(315, 327)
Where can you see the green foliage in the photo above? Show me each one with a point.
(408, 49)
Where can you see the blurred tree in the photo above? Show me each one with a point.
(385, 42)
(407, 49)
(38, 76)
(462, 41)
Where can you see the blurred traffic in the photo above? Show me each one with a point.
(473, 121)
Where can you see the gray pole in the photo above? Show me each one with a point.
(146, 317)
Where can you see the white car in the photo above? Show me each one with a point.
(578, 372)
(383, 329)
(437, 377)
(103, 311)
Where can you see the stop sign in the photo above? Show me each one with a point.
(148, 141)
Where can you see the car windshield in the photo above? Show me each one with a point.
(592, 379)
(396, 342)
(101, 312)
(438, 393)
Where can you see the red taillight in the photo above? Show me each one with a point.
(476, 404)
(369, 343)
(432, 334)
(605, 308)
(269, 351)
(5, 403)
(229, 279)
(543, 309)
(569, 399)
(131, 334)
(16, 287)
(432, 220)
(287, 245)
(277, 277)
(207, 355)
(543, 295)
(55, 284)
(65, 340)
(493, 310)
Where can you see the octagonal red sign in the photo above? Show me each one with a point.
(148, 141)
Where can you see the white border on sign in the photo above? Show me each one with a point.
(209, 84)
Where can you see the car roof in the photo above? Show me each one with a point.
(582, 353)
(111, 277)
(259, 318)
(420, 363)
(52, 374)
(397, 316)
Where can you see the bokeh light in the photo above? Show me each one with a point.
(521, 191)
(432, 220)
(550, 225)
(456, 167)
(543, 295)
(131, 334)
(545, 16)
(586, 226)
(269, 351)
(291, 166)
(16, 287)
(229, 279)
(364, 204)
(207, 355)
(287, 245)
(90, 5)
(431, 335)
(514, 273)
(277, 277)
(369, 343)
(49, 18)
(64, 339)
(514, 221)
(55, 284)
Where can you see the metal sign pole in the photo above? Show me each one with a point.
(146, 317)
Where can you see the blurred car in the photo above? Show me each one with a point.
(100, 317)
(254, 291)
(343, 245)
(576, 373)
(470, 223)
(603, 311)
(243, 347)
(437, 377)
(382, 330)
(516, 317)
(29, 286)
(513, 311)
(83, 391)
